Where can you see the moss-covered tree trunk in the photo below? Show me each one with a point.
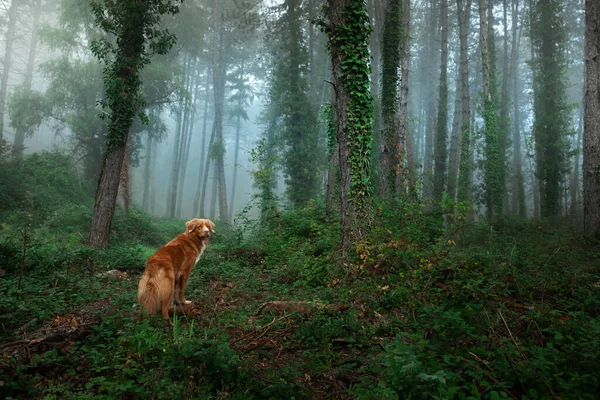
(591, 138)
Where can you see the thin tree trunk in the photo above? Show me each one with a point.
(7, 62)
(390, 61)
(518, 191)
(204, 185)
(430, 124)
(454, 154)
(441, 154)
(147, 174)
(219, 78)
(591, 136)
(237, 145)
(576, 172)
(214, 191)
(196, 209)
(405, 171)
(504, 123)
(189, 129)
(19, 142)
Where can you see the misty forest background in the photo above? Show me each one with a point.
(405, 191)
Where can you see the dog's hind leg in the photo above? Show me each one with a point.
(180, 290)
(167, 295)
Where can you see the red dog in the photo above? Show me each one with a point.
(168, 270)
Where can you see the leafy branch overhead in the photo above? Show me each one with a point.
(136, 26)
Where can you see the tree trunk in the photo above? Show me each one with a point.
(376, 17)
(204, 185)
(124, 179)
(591, 135)
(430, 124)
(189, 128)
(504, 121)
(106, 196)
(405, 171)
(354, 138)
(492, 176)
(236, 154)
(219, 78)
(7, 62)
(389, 94)
(19, 143)
(174, 180)
(203, 153)
(147, 174)
(575, 175)
(518, 185)
(453, 156)
(441, 154)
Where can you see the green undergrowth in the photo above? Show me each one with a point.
(426, 309)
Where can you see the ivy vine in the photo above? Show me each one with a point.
(352, 39)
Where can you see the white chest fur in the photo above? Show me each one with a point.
(201, 251)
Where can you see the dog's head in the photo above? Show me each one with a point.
(200, 227)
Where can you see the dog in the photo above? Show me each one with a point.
(167, 271)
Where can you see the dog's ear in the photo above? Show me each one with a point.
(192, 225)
(211, 225)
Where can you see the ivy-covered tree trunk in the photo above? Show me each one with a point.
(348, 30)
(36, 9)
(128, 22)
(441, 139)
(551, 125)
(390, 62)
(492, 166)
(7, 61)
(591, 138)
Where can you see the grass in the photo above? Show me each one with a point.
(425, 311)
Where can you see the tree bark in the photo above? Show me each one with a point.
(390, 62)
(106, 196)
(19, 142)
(203, 153)
(591, 135)
(7, 62)
(237, 149)
(147, 174)
(406, 172)
(518, 185)
(441, 154)
(354, 191)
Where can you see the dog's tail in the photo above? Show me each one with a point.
(152, 290)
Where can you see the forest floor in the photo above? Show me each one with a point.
(468, 311)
